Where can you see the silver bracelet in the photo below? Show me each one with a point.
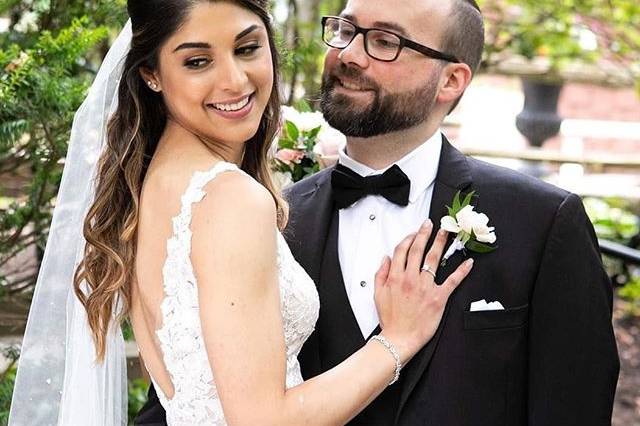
(392, 350)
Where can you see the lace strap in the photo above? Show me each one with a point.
(195, 193)
(177, 270)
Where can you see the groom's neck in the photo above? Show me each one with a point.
(379, 152)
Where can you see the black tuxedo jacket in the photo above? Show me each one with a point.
(549, 358)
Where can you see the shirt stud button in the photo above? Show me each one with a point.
(372, 217)
(363, 283)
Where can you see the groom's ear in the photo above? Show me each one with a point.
(453, 81)
(150, 79)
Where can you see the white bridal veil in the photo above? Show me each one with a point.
(59, 381)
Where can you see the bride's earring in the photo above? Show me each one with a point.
(152, 85)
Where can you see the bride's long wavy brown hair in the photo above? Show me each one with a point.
(111, 225)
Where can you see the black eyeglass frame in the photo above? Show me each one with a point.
(404, 42)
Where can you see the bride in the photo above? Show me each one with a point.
(181, 234)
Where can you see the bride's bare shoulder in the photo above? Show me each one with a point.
(230, 192)
(237, 197)
(164, 180)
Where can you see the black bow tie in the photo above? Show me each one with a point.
(349, 187)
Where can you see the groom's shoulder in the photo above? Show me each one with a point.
(511, 186)
(307, 185)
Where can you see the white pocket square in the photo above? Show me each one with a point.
(482, 305)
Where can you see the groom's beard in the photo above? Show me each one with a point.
(384, 114)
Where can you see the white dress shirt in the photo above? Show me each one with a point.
(372, 227)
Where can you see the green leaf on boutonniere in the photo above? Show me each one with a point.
(463, 217)
(292, 130)
(459, 205)
(467, 199)
(456, 204)
(479, 247)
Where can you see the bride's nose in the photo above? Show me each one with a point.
(232, 75)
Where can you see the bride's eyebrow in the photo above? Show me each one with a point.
(203, 45)
(193, 45)
(248, 30)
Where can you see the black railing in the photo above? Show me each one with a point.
(619, 251)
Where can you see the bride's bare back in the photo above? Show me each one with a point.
(166, 180)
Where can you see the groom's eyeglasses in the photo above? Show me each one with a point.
(382, 45)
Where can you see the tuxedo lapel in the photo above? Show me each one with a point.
(453, 176)
(313, 237)
(339, 333)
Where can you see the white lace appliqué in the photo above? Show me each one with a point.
(196, 401)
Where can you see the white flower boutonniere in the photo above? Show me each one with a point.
(471, 228)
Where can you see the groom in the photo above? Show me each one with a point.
(393, 71)
(549, 357)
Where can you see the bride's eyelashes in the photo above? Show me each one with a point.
(248, 50)
(197, 63)
(200, 62)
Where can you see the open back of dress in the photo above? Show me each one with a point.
(195, 400)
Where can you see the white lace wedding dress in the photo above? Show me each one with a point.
(196, 401)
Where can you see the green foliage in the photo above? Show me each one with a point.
(563, 31)
(47, 61)
(7, 381)
(631, 293)
(127, 331)
(137, 396)
(302, 65)
(613, 219)
(302, 48)
(137, 390)
(295, 158)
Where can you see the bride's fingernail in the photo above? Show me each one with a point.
(427, 223)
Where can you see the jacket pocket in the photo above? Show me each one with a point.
(507, 318)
